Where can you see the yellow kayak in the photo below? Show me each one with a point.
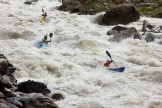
(42, 20)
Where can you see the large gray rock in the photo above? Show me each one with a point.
(149, 37)
(123, 14)
(5, 66)
(115, 30)
(5, 104)
(7, 81)
(128, 33)
(35, 100)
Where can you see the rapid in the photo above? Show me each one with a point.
(72, 64)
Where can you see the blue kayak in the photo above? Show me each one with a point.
(41, 45)
(119, 69)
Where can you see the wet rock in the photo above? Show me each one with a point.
(119, 28)
(148, 26)
(2, 95)
(7, 81)
(9, 93)
(123, 14)
(29, 2)
(11, 98)
(112, 32)
(3, 63)
(5, 104)
(33, 87)
(15, 101)
(128, 33)
(57, 96)
(115, 30)
(5, 66)
(149, 37)
(35, 100)
(74, 6)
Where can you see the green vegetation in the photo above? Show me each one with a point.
(148, 11)
(100, 7)
(144, 10)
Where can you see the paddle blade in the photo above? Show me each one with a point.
(108, 54)
(51, 34)
(43, 10)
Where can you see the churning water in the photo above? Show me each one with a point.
(72, 63)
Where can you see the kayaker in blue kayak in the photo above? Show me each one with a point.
(43, 43)
(44, 39)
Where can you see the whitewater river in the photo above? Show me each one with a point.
(72, 64)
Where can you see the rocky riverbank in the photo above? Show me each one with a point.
(27, 94)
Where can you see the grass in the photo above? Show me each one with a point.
(148, 11)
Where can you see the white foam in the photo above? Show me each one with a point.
(73, 62)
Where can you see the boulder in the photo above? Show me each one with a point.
(128, 33)
(122, 14)
(5, 66)
(149, 37)
(31, 100)
(57, 96)
(33, 87)
(10, 97)
(7, 81)
(15, 101)
(115, 30)
(119, 28)
(29, 2)
(77, 6)
(5, 104)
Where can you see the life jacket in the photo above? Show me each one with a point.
(107, 63)
(43, 40)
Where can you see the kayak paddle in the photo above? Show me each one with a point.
(51, 34)
(43, 10)
(111, 58)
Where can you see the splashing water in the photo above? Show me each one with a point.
(73, 62)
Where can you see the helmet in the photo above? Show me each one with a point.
(45, 37)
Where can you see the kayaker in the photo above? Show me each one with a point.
(44, 15)
(44, 39)
(107, 63)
